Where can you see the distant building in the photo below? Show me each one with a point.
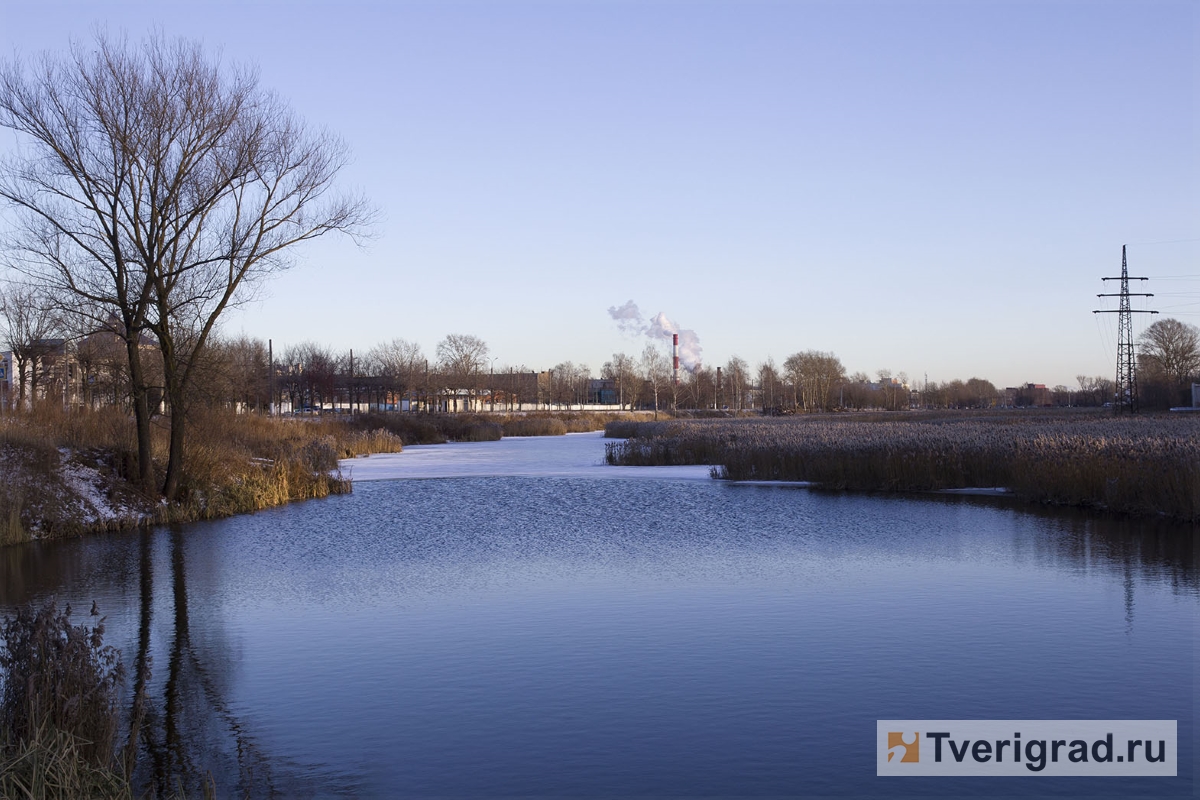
(5, 378)
(602, 391)
(1028, 396)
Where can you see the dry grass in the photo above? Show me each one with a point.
(234, 463)
(534, 426)
(60, 676)
(239, 463)
(51, 764)
(440, 428)
(61, 731)
(1139, 465)
(59, 712)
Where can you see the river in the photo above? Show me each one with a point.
(515, 618)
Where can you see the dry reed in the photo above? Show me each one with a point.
(234, 463)
(61, 731)
(59, 712)
(1140, 465)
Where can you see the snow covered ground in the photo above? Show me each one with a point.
(576, 455)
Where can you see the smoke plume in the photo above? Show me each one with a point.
(659, 329)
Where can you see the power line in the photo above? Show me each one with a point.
(1166, 241)
(1126, 399)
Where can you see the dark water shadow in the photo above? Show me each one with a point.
(178, 684)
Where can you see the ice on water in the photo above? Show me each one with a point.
(576, 455)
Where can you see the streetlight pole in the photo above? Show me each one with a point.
(492, 384)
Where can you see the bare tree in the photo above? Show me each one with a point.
(1169, 354)
(159, 186)
(793, 371)
(582, 375)
(103, 374)
(237, 372)
(827, 372)
(737, 377)
(983, 392)
(813, 376)
(656, 371)
(399, 363)
(570, 383)
(30, 323)
(462, 358)
(856, 390)
(1095, 391)
(311, 375)
(891, 388)
(623, 371)
(768, 385)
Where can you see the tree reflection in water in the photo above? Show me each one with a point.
(189, 728)
(164, 591)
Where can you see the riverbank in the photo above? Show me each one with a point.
(70, 474)
(1145, 465)
(626, 598)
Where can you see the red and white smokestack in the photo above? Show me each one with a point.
(675, 353)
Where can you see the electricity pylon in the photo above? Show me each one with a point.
(1126, 392)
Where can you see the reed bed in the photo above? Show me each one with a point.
(63, 732)
(489, 427)
(1137, 465)
(534, 426)
(60, 722)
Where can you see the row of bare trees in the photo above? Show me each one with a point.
(398, 375)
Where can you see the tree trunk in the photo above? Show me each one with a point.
(175, 455)
(22, 361)
(35, 363)
(175, 380)
(138, 395)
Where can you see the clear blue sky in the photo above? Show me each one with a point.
(931, 187)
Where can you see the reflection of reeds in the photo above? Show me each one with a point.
(1145, 465)
(11, 501)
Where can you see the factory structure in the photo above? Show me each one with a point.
(675, 355)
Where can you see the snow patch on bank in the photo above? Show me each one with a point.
(92, 490)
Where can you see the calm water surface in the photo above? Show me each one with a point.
(514, 618)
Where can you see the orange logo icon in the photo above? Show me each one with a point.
(904, 747)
